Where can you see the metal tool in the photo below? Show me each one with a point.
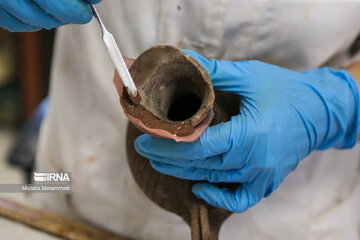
(116, 56)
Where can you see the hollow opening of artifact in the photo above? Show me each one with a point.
(176, 91)
(184, 106)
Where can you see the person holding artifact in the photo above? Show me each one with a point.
(295, 66)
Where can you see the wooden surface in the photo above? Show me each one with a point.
(55, 225)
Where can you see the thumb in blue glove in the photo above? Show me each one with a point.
(284, 116)
(33, 15)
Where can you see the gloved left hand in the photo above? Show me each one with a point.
(33, 15)
(284, 116)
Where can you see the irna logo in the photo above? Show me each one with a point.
(51, 177)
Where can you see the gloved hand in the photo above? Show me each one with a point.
(284, 116)
(33, 15)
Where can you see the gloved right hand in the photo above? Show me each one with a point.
(284, 116)
(33, 15)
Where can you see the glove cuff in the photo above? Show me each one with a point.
(344, 112)
(353, 130)
(340, 94)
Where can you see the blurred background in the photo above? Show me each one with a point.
(25, 60)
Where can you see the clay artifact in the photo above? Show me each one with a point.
(177, 102)
(177, 97)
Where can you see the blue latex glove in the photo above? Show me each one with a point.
(284, 116)
(33, 15)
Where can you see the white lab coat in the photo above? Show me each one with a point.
(84, 132)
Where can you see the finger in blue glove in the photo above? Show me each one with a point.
(13, 24)
(67, 11)
(29, 13)
(32, 15)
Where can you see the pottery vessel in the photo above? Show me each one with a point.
(164, 75)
